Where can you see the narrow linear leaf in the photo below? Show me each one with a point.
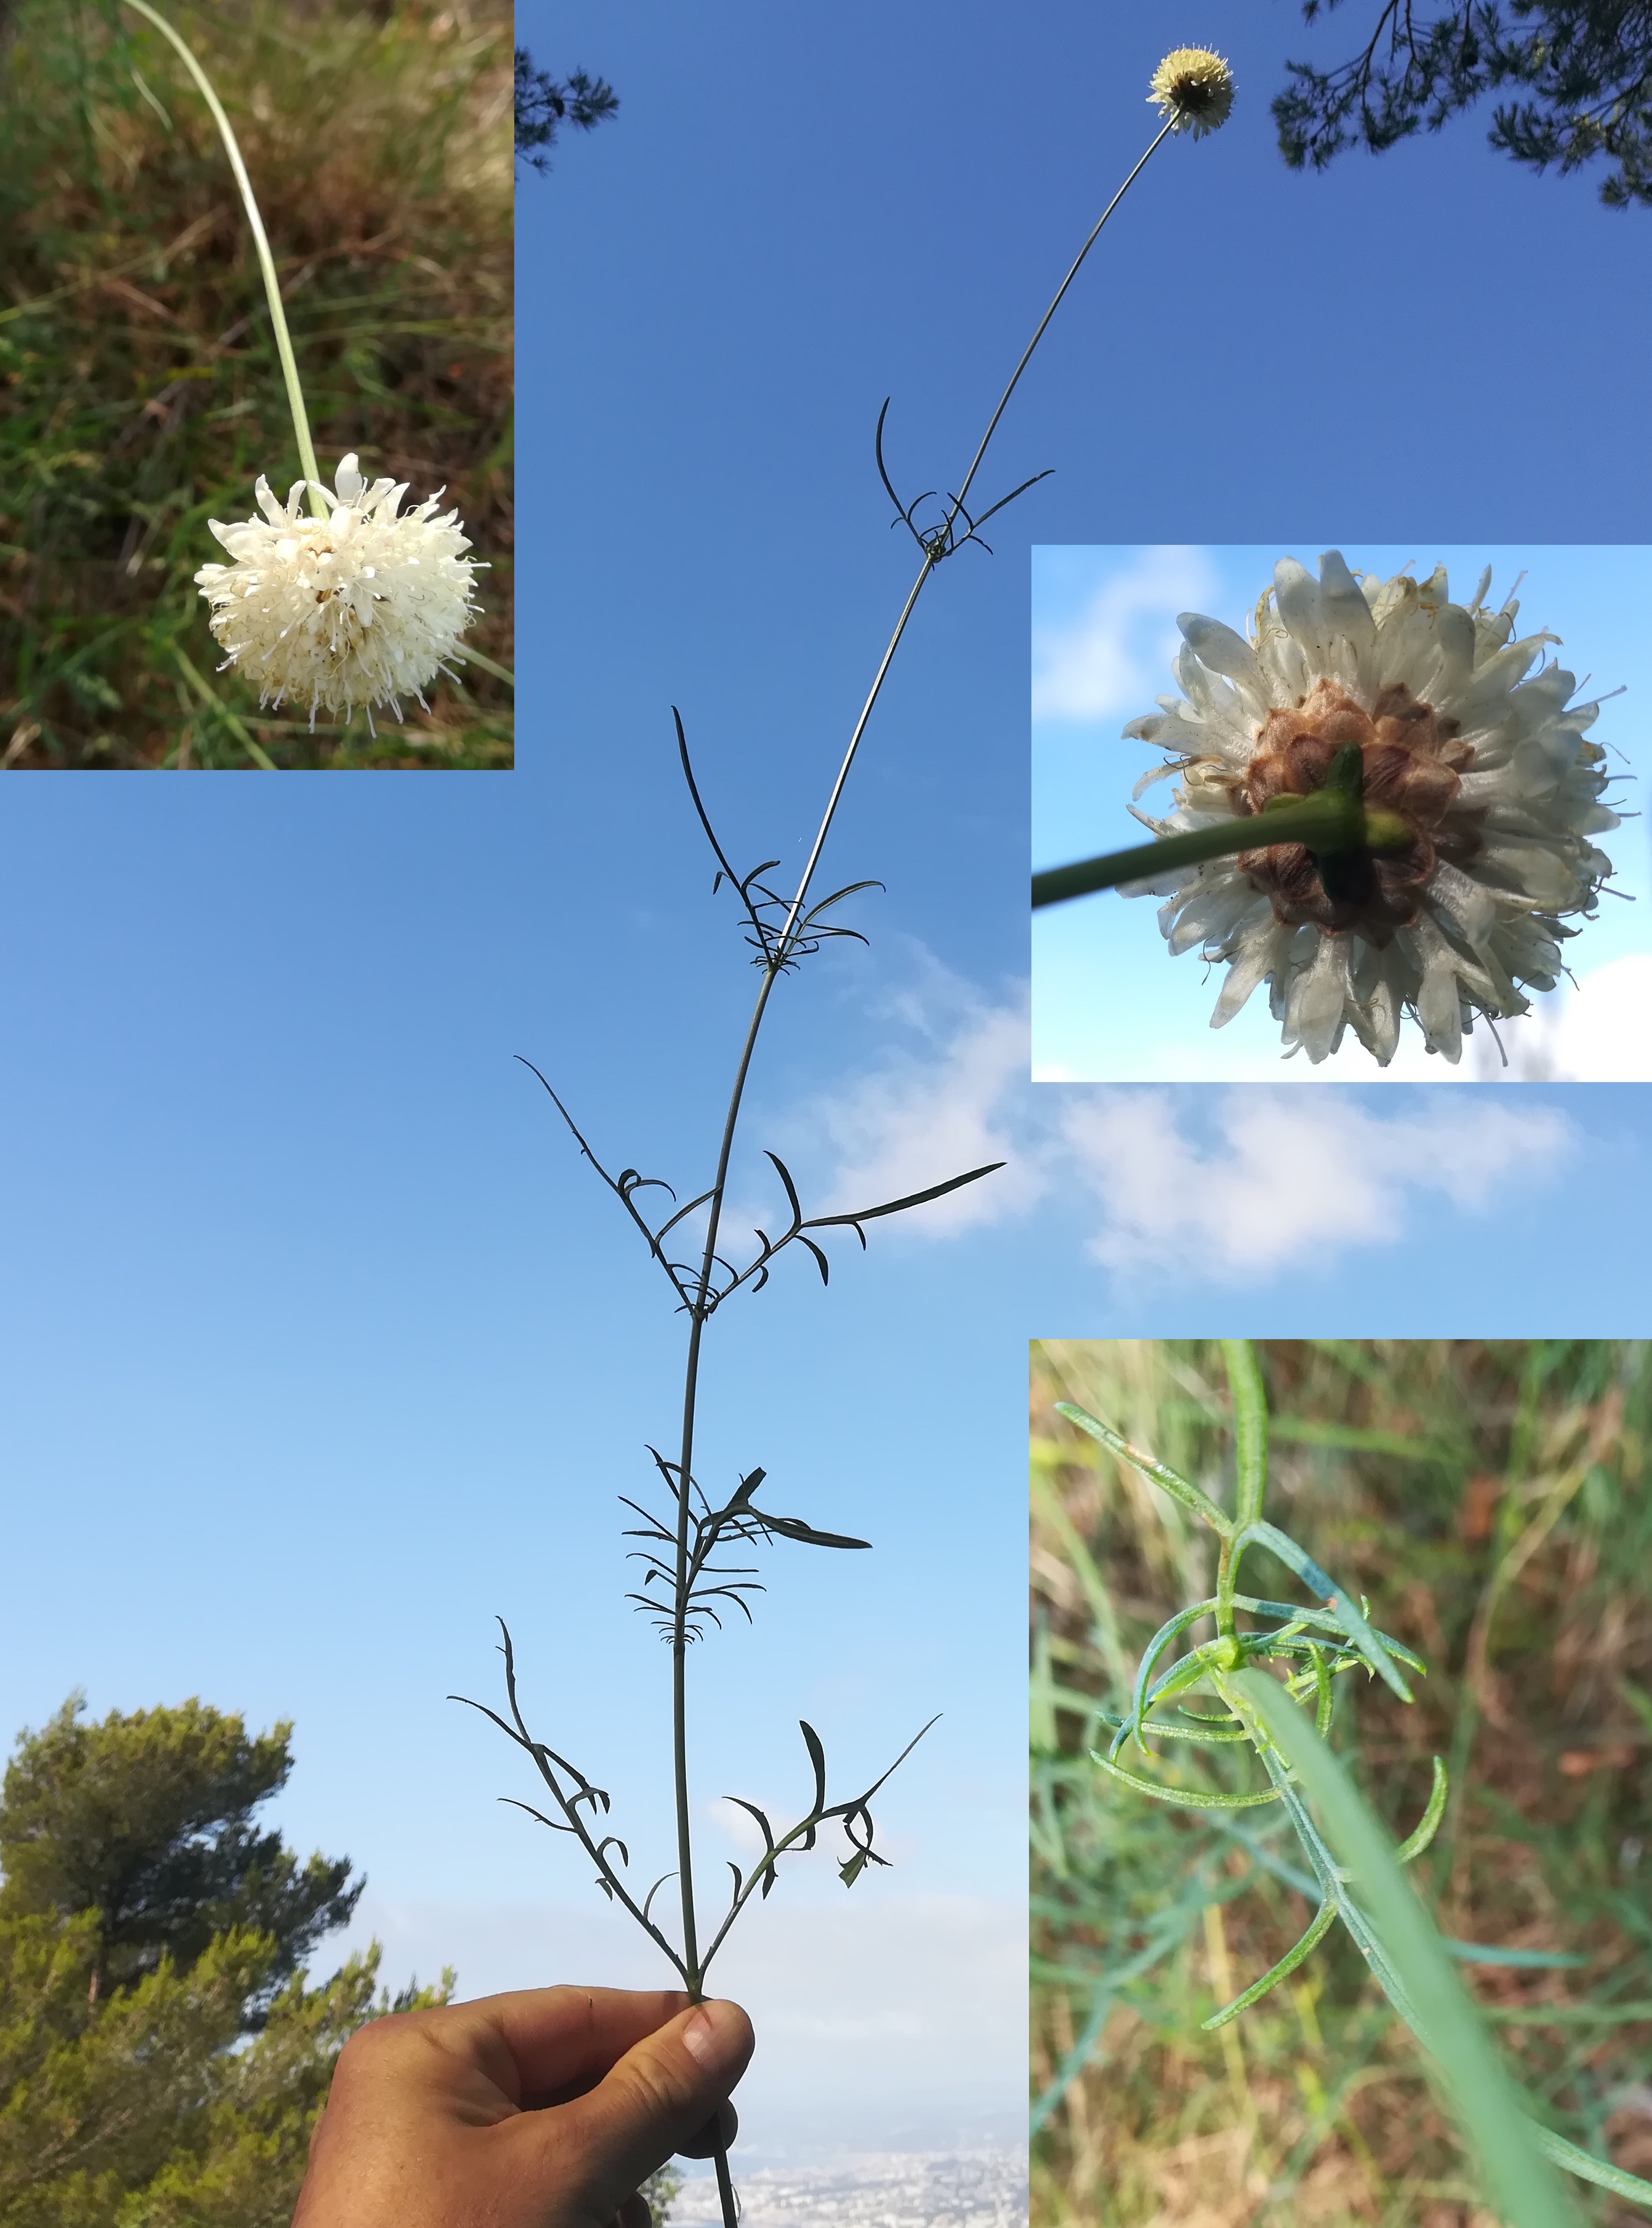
(1250, 1427)
(648, 1901)
(1156, 1648)
(793, 1527)
(1190, 1798)
(1335, 1599)
(1323, 1922)
(1429, 1824)
(1178, 1489)
(818, 1758)
(820, 1262)
(784, 1175)
(1514, 2168)
(911, 1199)
(1587, 2168)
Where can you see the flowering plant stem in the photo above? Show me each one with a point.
(1333, 820)
(692, 1589)
(261, 242)
(935, 544)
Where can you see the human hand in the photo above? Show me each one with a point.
(544, 2109)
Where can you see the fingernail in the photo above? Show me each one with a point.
(715, 2036)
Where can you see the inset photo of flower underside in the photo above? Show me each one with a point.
(1340, 1783)
(256, 339)
(1340, 811)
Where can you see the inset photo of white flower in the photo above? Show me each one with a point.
(258, 305)
(1333, 812)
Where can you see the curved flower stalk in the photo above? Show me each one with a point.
(1458, 858)
(1317, 1646)
(356, 604)
(687, 1585)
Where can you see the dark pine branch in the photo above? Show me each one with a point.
(1579, 74)
(545, 103)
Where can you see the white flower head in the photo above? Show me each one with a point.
(1484, 760)
(364, 607)
(1192, 89)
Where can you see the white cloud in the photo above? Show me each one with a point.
(1283, 1178)
(1226, 1183)
(1597, 1031)
(930, 1111)
(1114, 659)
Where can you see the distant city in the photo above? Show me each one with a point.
(888, 2189)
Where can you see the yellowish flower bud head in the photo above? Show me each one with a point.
(1192, 89)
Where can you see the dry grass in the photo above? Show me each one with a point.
(143, 395)
(1492, 1500)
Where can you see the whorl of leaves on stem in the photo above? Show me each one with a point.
(693, 1297)
(942, 539)
(739, 1520)
(773, 946)
(572, 1795)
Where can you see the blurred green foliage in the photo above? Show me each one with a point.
(140, 392)
(1493, 1501)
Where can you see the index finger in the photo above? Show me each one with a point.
(562, 2040)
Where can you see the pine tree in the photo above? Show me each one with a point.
(161, 2056)
(1577, 75)
(545, 103)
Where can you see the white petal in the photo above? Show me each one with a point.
(1297, 592)
(1262, 951)
(1220, 648)
(1342, 600)
(1319, 997)
(1440, 1007)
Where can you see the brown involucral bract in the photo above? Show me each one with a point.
(1410, 765)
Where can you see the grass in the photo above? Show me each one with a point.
(143, 395)
(1491, 1499)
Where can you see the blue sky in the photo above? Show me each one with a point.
(321, 1348)
(1107, 1003)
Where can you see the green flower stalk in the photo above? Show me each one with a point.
(685, 1585)
(359, 603)
(261, 242)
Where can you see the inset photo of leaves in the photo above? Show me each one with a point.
(1341, 1782)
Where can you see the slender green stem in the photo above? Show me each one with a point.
(1328, 820)
(941, 541)
(1026, 354)
(474, 657)
(702, 1294)
(217, 706)
(266, 261)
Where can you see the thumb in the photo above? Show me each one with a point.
(657, 2098)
